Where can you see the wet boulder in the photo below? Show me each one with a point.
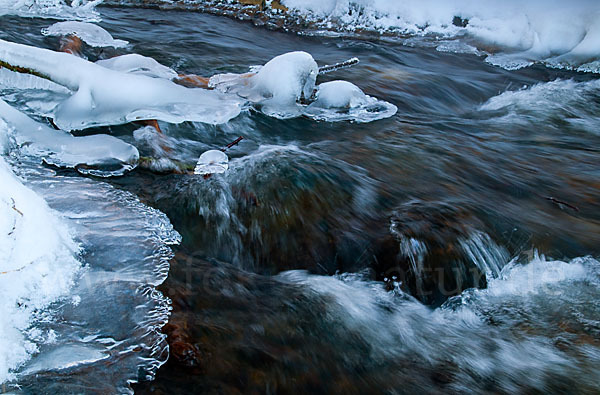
(435, 250)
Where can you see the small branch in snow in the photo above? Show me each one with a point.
(17, 270)
(14, 207)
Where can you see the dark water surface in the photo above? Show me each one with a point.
(413, 209)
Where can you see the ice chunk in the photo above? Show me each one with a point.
(138, 64)
(100, 155)
(344, 101)
(108, 97)
(212, 162)
(37, 266)
(92, 34)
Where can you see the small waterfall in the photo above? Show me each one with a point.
(488, 256)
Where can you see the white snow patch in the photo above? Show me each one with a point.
(56, 9)
(557, 32)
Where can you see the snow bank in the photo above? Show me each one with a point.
(92, 34)
(30, 278)
(57, 9)
(100, 155)
(560, 33)
(108, 97)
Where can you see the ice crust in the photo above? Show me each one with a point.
(92, 34)
(138, 64)
(37, 267)
(106, 97)
(133, 87)
(100, 155)
(107, 333)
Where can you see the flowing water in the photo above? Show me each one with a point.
(449, 248)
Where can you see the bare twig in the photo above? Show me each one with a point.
(17, 270)
(233, 143)
(560, 202)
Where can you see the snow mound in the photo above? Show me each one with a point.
(92, 34)
(283, 87)
(344, 101)
(31, 279)
(99, 155)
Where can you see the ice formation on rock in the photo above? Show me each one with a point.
(344, 101)
(212, 162)
(107, 97)
(138, 64)
(92, 34)
(100, 155)
(283, 87)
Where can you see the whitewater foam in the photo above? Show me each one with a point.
(533, 297)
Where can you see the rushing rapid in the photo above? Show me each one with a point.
(209, 212)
